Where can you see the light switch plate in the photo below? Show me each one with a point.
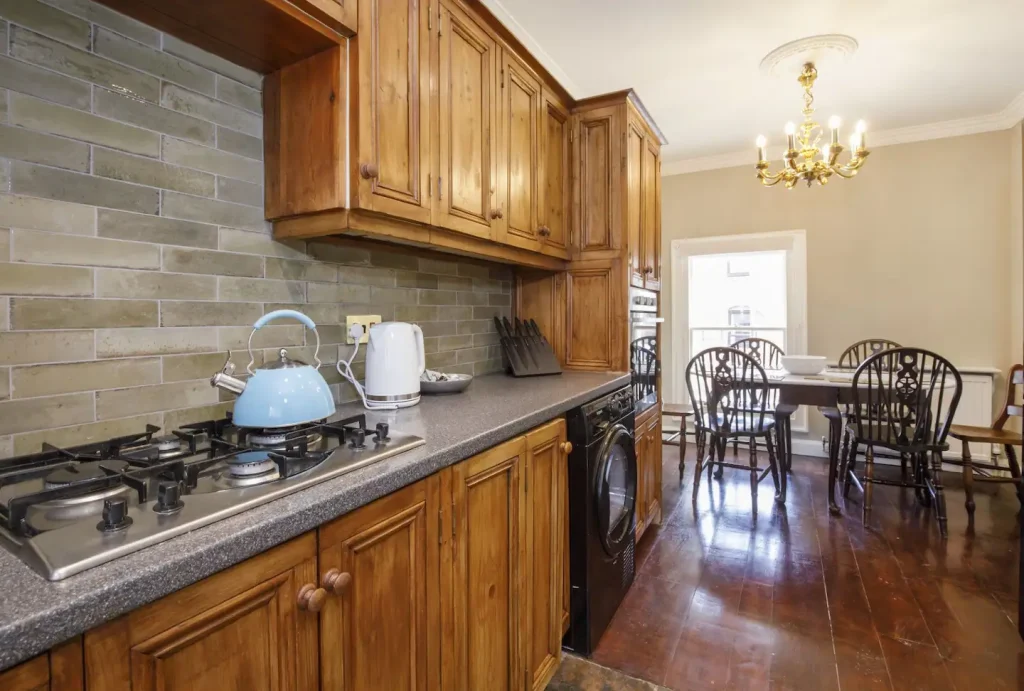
(367, 320)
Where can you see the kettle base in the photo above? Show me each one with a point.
(399, 401)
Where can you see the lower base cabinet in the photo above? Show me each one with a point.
(456, 582)
(647, 435)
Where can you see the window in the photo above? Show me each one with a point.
(722, 297)
(731, 287)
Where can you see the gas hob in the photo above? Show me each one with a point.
(66, 510)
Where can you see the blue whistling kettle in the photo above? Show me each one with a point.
(283, 393)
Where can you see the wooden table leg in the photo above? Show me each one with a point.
(834, 434)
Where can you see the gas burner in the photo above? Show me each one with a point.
(83, 472)
(247, 469)
(281, 438)
(167, 446)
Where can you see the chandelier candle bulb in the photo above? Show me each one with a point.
(790, 135)
(762, 153)
(833, 124)
(861, 139)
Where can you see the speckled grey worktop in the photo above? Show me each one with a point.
(36, 614)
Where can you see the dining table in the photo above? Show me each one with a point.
(830, 389)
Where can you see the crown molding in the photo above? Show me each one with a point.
(1004, 119)
(520, 32)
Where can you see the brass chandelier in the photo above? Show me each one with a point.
(803, 163)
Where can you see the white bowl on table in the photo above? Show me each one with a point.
(804, 364)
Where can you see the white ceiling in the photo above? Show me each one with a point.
(695, 63)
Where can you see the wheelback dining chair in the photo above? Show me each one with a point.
(904, 400)
(769, 355)
(851, 359)
(643, 360)
(729, 393)
(996, 434)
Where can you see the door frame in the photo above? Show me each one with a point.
(792, 242)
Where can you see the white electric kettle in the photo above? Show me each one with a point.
(394, 363)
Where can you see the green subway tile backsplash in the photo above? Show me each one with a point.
(133, 249)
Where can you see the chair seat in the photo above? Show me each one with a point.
(676, 410)
(985, 434)
(746, 428)
(887, 442)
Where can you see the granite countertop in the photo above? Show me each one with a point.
(36, 614)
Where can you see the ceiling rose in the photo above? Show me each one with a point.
(789, 58)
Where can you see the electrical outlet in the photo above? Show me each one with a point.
(366, 320)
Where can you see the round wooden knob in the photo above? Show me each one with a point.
(495, 213)
(369, 170)
(337, 581)
(566, 447)
(311, 598)
(544, 231)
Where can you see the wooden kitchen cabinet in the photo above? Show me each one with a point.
(468, 85)
(595, 323)
(380, 626)
(487, 588)
(647, 440)
(33, 675)
(556, 175)
(636, 149)
(652, 214)
(390, 106)
(519, 170)
(546, 456)
(251, 627)
(600, 226)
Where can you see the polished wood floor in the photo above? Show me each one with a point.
(800, 600)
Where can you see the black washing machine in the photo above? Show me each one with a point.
(602, 515)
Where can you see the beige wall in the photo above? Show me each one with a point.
(917, 248)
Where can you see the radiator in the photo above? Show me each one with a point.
(975, 409)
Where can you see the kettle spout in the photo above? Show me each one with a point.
(224, 380)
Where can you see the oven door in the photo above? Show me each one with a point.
(615, 480)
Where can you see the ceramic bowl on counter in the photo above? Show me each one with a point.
(804, 364)
(452, 383)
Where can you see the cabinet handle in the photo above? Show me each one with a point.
(311, 598)
(369, 170)
(566, 447)
(337, 581)
(496, 213)
(544, 231)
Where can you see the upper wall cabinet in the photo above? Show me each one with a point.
(468, 68)
(519, 161)
(600, 225)
(556, 183)
(390, 108)
(635, 154)
(652, 215)
(643, 202)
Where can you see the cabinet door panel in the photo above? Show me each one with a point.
(392, 98)
(382, 632)
(519, 166)
(467, 79)
(239, 629)
(651, 216)
(545, 458)
(489, 525)
(635, 202)
(556, 173)
(599, 180)
(640, 447)
(589, 323)
(33, 675)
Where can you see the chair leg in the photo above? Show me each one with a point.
(735, 447)
(753, 475)
(720, 470)
(869, 477)
(1011, 457)
(851, 468)
(940, 498)
(921, 476)
(778, 473)
(682, 447)
(702, 461)
(968, 474)
(903, 467)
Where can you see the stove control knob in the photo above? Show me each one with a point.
(381, 433)
(358, 438)
(115, 516)
(168, 498)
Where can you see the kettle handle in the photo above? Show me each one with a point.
(287, 314)
(421, 360)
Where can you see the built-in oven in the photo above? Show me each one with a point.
(602, 515)
(643, 346)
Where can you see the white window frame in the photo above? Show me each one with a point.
(792, 242)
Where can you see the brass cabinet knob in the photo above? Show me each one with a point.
(337, 581)
(566, 447)
(369, 170)
(544, 231)
(496, 213)
(311, 598)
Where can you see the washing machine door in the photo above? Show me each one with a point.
(615, 489)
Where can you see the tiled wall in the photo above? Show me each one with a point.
(133, 250)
